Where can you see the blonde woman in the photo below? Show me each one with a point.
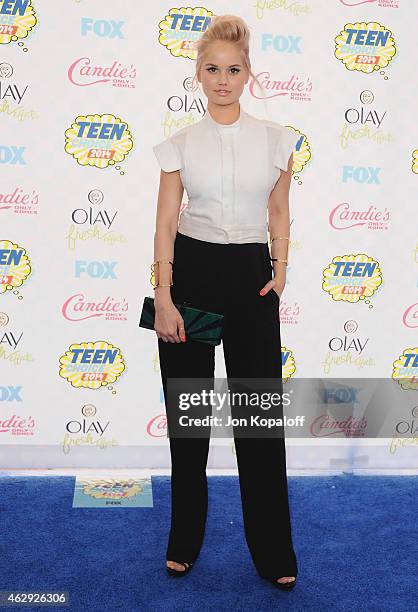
(236, 170)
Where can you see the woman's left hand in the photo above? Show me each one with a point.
(276, 284)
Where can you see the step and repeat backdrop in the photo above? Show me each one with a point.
(87, 89)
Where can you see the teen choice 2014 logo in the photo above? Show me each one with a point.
(15, 266)
(365, 47)
(92, 364)
(112, 488)
(351, 278)
(17, 19)
(98, 140)
(302, 151)
(405, 369)
(182, 27)
(415, 161)
(288, 363)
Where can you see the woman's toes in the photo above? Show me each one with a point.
(286, 579)
(177, 566)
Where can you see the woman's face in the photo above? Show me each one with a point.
(223, 73)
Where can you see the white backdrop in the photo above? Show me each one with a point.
(87, 88)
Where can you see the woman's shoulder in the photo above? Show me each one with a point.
(281, 136)
(283, 141)
(170, 150)
(176, 138)
(274, 126)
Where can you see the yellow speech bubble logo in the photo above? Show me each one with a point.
(92, 364)
(15, 266)
(351, 278)
(415, 161)
(111, 488)
(405, 369)
(288, 363)
(365, 47)
(98, 140)
(17, 19)
(301, 153)
(182, 27)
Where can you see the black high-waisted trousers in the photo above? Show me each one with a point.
(227, 278)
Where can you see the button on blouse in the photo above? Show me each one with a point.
(228, 172)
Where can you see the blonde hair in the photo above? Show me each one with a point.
(228, 28)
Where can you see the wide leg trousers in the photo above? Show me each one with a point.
(227, 278)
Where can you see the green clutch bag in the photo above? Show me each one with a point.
(199, 325)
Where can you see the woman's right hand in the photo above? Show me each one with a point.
(169, 324)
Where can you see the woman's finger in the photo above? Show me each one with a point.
(267, 287)
(174, 338)
(182, 332)
(162, 337)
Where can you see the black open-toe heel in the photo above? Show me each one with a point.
(284, 586)
(172, 572)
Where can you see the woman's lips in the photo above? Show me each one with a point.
(222, 92)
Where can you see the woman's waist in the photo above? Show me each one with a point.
(223, 233)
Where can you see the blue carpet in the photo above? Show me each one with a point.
(355, 537)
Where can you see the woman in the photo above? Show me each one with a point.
(218, 259)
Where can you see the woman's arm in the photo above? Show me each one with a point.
(170, 196)
(279, 225)
(168, 321)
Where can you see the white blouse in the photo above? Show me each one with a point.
(228, 172)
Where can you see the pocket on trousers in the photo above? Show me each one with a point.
(275, 296)
(269, 271)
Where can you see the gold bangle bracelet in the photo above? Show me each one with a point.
(158, 261)
(279, 238)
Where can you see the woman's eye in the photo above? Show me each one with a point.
(211, 68)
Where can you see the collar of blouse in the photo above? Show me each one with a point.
(209, 120)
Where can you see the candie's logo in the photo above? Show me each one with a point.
(92, 364)
(379, 3)
(356, 2)
(15, 266)
(288, 363)
(365, 47)
(98, 140)
(84, 72)
(405, 369)
(17, 19)
(181, 27)
(351, 278)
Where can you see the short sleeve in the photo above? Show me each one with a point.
(286, 143)
(168, 155)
